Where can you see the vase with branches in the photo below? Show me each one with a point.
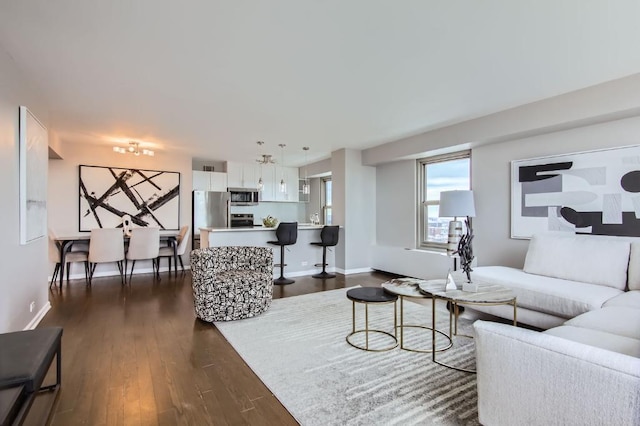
(465, 250)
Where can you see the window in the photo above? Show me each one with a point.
(326, 201)
(435, 174)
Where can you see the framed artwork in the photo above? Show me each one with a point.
(34, 155)
(594, 192)
(149, 197)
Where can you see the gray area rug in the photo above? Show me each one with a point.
(298, 350)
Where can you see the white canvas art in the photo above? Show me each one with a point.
(34, 155)
(594, 192)
(107, 194)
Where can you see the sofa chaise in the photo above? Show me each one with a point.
(585, 368)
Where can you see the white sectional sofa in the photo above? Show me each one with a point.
(566, 275)
(585, 370)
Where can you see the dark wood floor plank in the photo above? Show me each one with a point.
(136, 354)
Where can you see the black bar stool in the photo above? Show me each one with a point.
(287, 234)
(329, 238)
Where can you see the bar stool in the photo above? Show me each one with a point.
(287, 234)
(329, 238)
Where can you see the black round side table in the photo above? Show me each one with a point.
(371, 296)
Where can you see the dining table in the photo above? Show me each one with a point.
(65, 242)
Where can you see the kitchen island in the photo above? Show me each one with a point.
(300, 257)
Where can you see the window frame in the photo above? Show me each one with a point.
(326, 204)
(423, 204)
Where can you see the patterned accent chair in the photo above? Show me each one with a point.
(231, 283)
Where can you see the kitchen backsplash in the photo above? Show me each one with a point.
(284, 212)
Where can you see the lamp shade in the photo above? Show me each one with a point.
(457, 203)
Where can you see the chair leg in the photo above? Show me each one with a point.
(56, 271)
(133, 264)
(181, 264)
(282, 280)
(324, 273)
(86, 272)
(92, 269)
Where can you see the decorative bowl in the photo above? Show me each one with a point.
(269, 221)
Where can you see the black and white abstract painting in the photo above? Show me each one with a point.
(595, 192)
(150, 197)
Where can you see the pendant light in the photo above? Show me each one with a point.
(260, 182)
(283, 184)
(305, 186)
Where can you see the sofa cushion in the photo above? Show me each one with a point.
(613, 319)
(553, 296)
(599, 339)
(628, 299)
(582, 258)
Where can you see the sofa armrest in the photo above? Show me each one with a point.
(531, 378)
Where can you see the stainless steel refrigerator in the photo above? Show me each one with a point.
(210, 210)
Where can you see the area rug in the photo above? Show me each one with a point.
(298, 349)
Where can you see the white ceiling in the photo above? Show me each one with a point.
(212, 77)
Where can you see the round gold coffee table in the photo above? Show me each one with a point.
(408, 287)
(487, 294)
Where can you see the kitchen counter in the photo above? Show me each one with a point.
(301, 257)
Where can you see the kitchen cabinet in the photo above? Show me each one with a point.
(245, 175)
(269, 190)
(242, 175)
(271, 177)
(209, 181)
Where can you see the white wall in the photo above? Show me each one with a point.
(491, 171)
(396, 225)
(602, 116)
(24, 268)
(354, 207)
(63, 188)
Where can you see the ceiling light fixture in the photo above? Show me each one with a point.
(305, 186)
(266, 159)
(134, 148)
(283, 184)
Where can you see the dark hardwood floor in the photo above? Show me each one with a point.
(136, 354)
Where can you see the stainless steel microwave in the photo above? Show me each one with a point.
(243, 196)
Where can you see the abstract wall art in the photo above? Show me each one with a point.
(34, 155)
(595, 192)
(150, 197)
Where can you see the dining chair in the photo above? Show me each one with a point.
(177, 249)
(144, 244)
(70, 257)
(106, 245)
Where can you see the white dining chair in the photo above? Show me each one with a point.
(106, 246)
(178, 249)
(71, 256)
(143, 245)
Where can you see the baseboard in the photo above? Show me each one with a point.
(113, 273)
(353, 271)
(276, 272)
(36, 320)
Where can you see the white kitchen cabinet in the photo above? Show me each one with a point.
(209, 181)
(242, 175)
(290, 177)
(246, 175)
(270, 187)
